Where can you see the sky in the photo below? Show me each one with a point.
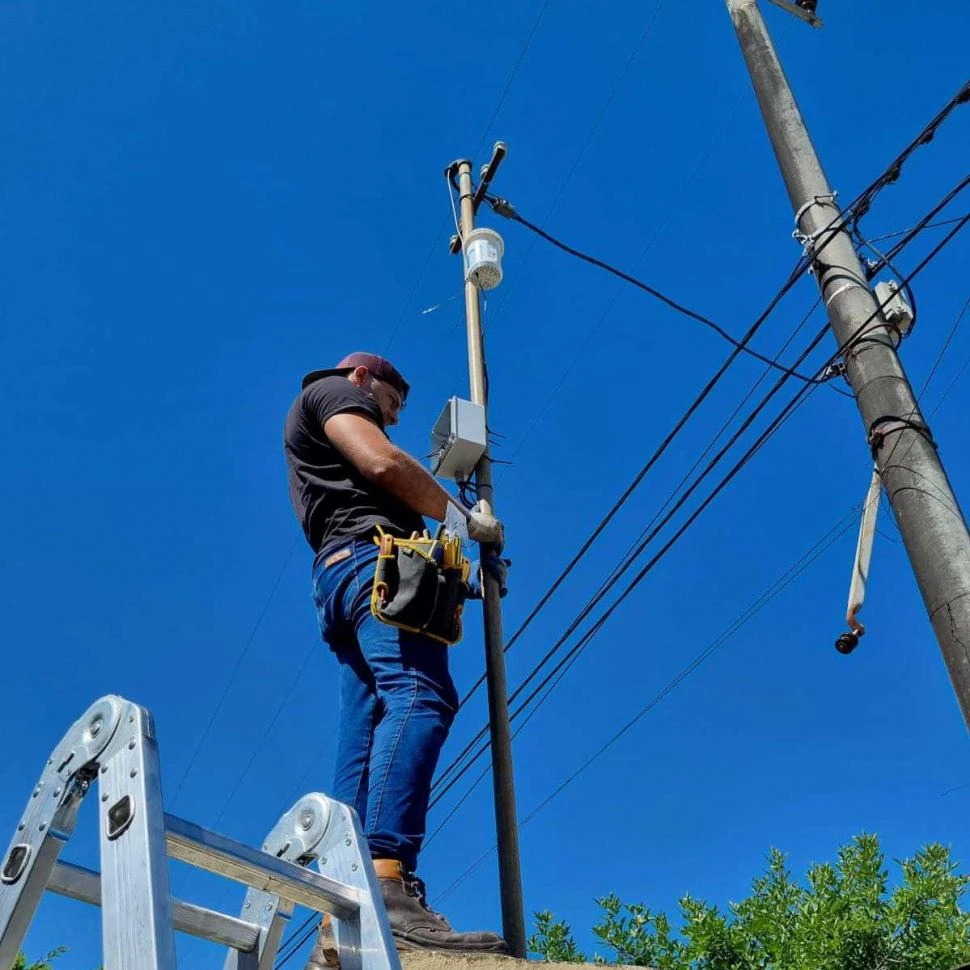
(202, 201)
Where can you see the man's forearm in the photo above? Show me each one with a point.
(410, 483)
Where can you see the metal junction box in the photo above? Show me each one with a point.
(458, 440)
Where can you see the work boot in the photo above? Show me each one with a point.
(324, 954)
(415, 926)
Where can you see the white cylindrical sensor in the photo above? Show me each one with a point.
(483, 258)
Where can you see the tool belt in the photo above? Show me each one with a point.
(420, 584)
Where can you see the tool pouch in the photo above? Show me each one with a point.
(420, 585)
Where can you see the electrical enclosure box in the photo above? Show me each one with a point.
(895, 309)
(458, 440)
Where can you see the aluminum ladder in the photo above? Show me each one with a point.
(114, 742)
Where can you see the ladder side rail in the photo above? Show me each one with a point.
(28, 867)
(293, 839)
(365, 943)
(138, 931)
(49, 820)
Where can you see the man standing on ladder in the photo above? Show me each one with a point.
(349, 484)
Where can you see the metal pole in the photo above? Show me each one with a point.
(510, 876)
(926, 510)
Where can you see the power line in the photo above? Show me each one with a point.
(890, 174)
(442, 779)
(599, 595)
(586, 638)
(498, 106)
(235, 673)
(776, 588)
(296, 945)
(638, 478)
(515, 70)
(631, 553)
(928, 133)
(944, 348)
(570, 658)
(902, 232)
(783, 582)
(796, 402)
(592, 134)
(675, 204)
(504, 208)
(266, 733)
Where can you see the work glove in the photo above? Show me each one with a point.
(484, 528)
(496, 567)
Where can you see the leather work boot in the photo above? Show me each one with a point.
(324, 954)
(415, 926)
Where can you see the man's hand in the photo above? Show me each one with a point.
(496, 567)
(484, 528)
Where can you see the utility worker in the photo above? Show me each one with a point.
(397, 698)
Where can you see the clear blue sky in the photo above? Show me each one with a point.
(201, 201)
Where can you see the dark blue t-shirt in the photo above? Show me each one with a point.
(331, 499)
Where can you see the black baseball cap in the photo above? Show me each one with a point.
(380, 367)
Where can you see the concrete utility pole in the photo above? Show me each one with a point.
(926, 510)
(506, 825)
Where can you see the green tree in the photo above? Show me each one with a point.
(843, 917)
(46, 964)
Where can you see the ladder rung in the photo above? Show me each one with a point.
(76, 882)
(197, 846)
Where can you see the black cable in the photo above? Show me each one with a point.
(796, 402)
(925, 221)
(902, 232)
(589, 635)
(504, 208)
(780, 419)
(780, 585)
(793, 277)
(894, 171)
(604, 588)
(601, 620)
(909, 235)
(296, 946)
(866, 194)
(443, 778)
(944, 349)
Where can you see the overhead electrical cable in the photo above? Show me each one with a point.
(775, 424)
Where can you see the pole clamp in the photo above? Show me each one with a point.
(888, 424)
(807, 240)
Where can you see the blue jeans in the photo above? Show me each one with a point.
(397, 702)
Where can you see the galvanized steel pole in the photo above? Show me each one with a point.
(506, 825)
(930, 520)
